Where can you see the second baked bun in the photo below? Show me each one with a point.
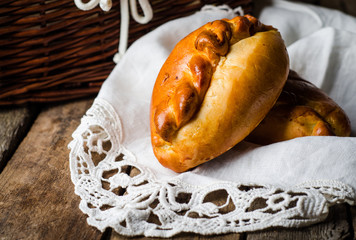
(216, 86)
(301, 110)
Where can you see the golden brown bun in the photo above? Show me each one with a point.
(301, 110)
(216, 86)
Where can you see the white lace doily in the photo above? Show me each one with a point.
(122, 185)
(138, 204)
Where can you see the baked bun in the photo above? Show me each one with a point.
(215, 87)
(302, 109)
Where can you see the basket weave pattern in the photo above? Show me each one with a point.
(52, 51)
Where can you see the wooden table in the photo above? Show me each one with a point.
(37, 199)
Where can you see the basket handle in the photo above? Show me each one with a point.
(104, 4)
(125, 18)
(146, 8)
(124, 23)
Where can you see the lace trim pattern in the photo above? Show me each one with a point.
(117, 192)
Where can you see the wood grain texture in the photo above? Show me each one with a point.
(37, 199)
(353, 219)
(14, 124)
(336, 226)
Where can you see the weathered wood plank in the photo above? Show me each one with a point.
(353, 219)
(336, 226)
(14, 125)
(37, 199)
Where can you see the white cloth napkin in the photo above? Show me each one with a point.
(322, 48)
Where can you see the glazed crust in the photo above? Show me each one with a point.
(302, 109)
(216, 86)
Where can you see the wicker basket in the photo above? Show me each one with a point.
(52, 51)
